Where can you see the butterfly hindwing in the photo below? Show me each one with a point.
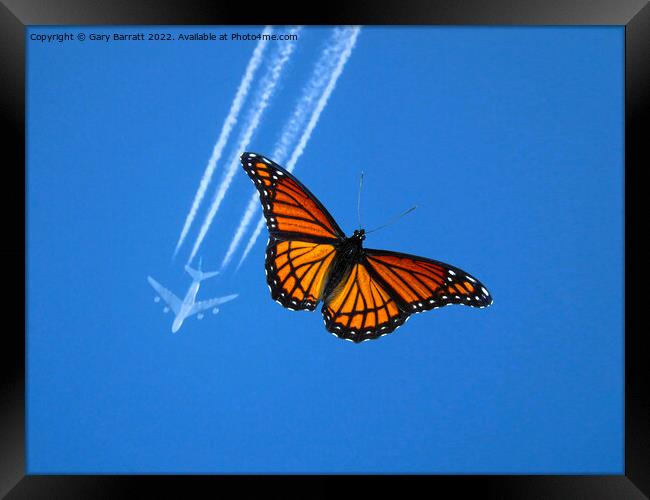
(296, 271)
(289, 207)
(422, 284)
(361, 307)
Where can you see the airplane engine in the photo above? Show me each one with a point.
(166, 310)
(215, 310)
(199, 316)
(156, 299)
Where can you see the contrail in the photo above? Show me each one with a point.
(270, 82)
(323, 69)
(229, 123)
(300, 147)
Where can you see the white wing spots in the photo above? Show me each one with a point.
(485, 292)
(266, 161)
(471, 279)
(280, 173)
(452, 273)
(449, 279)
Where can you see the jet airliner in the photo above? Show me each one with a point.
(187, 307)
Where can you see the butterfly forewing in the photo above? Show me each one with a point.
(423, 284)
(288, 206)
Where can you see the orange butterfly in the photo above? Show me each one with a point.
(366, 293)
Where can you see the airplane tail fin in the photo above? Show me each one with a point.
(199, 275)
(209, 274)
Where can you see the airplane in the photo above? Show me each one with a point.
(187, 307)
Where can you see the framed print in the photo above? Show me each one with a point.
(242, 231)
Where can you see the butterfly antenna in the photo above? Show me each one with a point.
(393, 220)
(359, 199)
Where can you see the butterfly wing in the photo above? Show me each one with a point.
(361, 307)
(384, 288)
(290, 209)
(303, 236)
(422, 284)
(296, 271)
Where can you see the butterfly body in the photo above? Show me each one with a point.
(365, 293)
(349, 252)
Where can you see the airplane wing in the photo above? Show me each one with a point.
(172, 301)
(207, 304)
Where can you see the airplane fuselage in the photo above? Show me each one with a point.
(186, 306)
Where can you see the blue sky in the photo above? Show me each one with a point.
(509, 140)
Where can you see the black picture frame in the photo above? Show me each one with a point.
(16, 15)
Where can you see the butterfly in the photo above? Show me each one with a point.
(365, 293)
